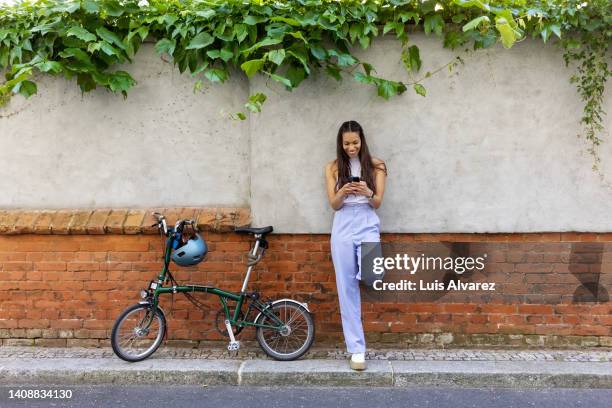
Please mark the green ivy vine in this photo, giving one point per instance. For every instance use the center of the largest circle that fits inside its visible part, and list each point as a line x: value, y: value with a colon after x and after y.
x: 287, y: 40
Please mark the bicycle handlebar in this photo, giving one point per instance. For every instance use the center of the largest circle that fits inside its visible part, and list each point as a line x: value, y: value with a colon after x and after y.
x: 161, y: 222
x: 178, y: 227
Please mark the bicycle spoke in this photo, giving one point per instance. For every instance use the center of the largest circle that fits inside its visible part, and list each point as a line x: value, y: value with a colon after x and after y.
x: 293, y: 317
x: 296, y: 333
x: 139, y: 331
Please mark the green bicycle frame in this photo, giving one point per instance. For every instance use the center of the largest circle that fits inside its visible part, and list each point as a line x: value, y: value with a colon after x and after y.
x: 157, y: 289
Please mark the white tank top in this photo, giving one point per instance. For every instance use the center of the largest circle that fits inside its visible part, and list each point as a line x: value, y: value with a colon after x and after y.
x: 356, y: 171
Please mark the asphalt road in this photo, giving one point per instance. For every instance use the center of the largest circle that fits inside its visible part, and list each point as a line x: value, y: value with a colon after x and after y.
x: 297, y: 397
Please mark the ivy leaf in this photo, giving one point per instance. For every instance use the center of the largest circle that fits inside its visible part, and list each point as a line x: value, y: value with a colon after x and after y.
x: 165, y: 46
x: 223, y: 53
x: 120, y: 81
x: 367, y: 68
x: 296, y: 75
x: 302, y: 58
x: 4, y: 57
x: 208, y: 13
x: 25, y: 88
x: 386, y: 89
x: 238, y: 115
x: 15, y: 55
x: 77, y: 53
x: 412, y: 58
x: 216, y: 75
x: 344, y: 60
x: 143, y: 32
x: 67, y: 7
x: 355, y: 30
x: 318, y: 52
x: 433, y: 23
x: 420, y: 89
x: 90, y: 6
x: 45, y: 28
x: 473, y: 3
x: 394, y: 25
x: 475, y: 23
x: 114, y: 8
x: 240, y: 31
x: 49, y: 66
x: 555, y: 29
x: 200, y: 41
x: 363, y: 78
x: 201, y: 68
x: 276, y: 56
x: 252, y: 66
x: 266, y: 41
x: 572, y: 44
x: 252, y: 20
x: 364, y: 41
x: 405, y: 16
x: 428, y: 6
x: 110, y: 37
x: 457, y: 18
x: 289, y: 21
x: 298, y: 35
x: 81, y: 34
x: 108, y: 49
x: 87, y: 82
x: 280, y: 79
x: 333, y: 71
x: 255, y: 102
x: 506, y: 32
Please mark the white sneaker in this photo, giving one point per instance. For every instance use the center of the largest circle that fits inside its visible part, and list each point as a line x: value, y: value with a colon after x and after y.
x: 358, y: 361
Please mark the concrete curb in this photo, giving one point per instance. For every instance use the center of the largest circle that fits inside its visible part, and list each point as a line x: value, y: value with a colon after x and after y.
x: 506, y: 374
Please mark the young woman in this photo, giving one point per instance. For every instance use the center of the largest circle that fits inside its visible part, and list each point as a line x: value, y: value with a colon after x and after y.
x: 354, y: 221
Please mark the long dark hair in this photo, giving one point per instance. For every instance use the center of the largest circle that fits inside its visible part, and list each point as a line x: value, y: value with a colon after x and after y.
x: 343, y: 161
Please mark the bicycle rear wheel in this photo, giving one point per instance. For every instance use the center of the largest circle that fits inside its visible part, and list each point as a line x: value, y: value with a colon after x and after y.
x: 295, y: 337
x: 138, y: 332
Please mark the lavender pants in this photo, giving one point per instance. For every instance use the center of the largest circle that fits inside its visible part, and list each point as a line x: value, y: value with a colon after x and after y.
x: 353, y: 223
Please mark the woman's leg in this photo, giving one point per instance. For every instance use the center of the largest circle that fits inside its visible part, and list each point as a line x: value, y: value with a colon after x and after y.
x: 345, y: 265
x: 369, y: 232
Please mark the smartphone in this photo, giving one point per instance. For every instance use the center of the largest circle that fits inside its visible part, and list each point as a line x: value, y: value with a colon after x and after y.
x: 354, y: 179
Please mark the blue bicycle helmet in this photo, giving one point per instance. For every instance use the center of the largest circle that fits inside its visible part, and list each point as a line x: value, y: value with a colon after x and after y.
x: 191, y: 252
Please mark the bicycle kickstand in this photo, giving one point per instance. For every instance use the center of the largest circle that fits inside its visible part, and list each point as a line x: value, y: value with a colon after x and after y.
x: 234, y: 344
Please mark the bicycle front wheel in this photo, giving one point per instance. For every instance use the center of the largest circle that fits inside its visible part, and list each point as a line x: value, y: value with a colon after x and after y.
x: 294, y: 338
x: 138, y: 332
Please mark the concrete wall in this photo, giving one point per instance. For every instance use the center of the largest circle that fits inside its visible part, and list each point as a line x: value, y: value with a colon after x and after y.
x: 161, y: 146
x: 492, y: 149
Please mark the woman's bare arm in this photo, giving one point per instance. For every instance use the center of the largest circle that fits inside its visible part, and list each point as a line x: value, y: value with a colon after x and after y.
x: 336, y: 198
x: 379, y: 178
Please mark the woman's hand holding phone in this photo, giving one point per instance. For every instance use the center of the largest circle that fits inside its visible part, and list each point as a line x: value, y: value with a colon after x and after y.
x: 347, y: 189
x: 359, y: 188
x: 356, y: 187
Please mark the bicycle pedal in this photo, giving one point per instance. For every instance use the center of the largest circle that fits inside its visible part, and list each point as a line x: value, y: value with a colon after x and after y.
x: 233, y: 346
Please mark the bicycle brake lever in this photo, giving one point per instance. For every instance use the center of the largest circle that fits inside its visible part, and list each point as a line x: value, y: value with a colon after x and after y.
x: 194, y: 225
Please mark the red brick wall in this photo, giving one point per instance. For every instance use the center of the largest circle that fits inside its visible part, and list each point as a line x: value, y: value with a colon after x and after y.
x: 67, y: 289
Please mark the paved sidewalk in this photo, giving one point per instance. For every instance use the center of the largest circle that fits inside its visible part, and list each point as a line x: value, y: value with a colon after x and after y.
x: 321, y: 367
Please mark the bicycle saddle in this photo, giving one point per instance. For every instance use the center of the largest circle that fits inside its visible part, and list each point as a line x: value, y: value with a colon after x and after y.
x: 248, y: 230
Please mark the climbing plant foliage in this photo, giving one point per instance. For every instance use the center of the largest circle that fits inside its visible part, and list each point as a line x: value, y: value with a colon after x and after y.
x: 287, y: 40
